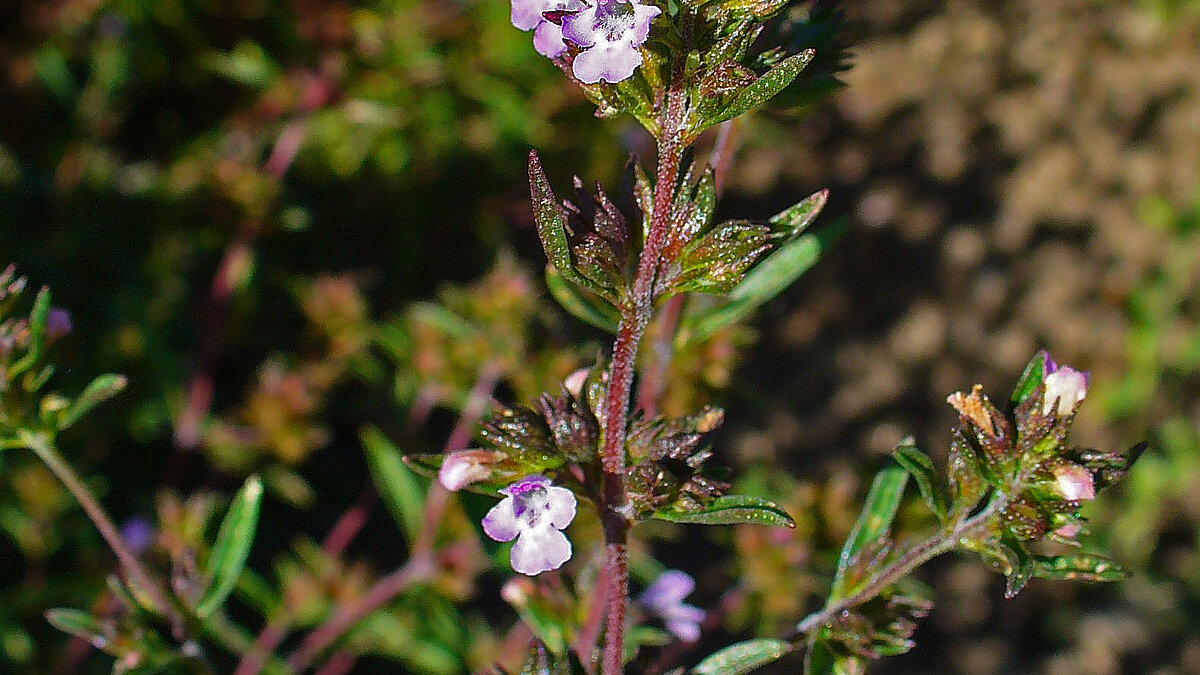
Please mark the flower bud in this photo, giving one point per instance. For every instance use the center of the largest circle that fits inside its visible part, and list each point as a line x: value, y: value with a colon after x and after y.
x: 460, y: 469
x: 1065, y: 387
x: 1074, y: 482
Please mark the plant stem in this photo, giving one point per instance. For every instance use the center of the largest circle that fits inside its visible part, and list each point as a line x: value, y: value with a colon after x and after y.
x: 904, y: 565
x: 142, y: 581
x: 635, y: 316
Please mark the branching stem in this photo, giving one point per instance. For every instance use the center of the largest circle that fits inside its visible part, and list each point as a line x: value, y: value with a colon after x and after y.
x: 913, y: 558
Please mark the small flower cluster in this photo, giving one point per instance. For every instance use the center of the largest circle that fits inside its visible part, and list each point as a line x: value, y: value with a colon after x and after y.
x: 607, y: 33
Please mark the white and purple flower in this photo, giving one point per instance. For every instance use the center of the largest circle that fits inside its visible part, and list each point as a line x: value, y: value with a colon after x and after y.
x: 533, y: 512
x: 1065, y: 387
x: 609, y: 32
x: 547, y: 35
x: 664, y: 599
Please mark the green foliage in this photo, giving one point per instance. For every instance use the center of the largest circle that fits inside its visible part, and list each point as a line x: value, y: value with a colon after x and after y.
x: 232, y: 546
x: 743, y: 657
x: 731, y: 510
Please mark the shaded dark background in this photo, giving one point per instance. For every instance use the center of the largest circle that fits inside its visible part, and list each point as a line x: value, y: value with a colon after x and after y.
x: 1016, y: 175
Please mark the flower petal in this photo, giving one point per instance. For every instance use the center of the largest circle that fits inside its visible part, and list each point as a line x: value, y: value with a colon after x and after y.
x: 540, y: 550
x: 642, y: 16
x: 548, y: 40
x: 501, y: 522
x: 561, y: 506
x: 527, y: 14
x: 670, y: 588
x: 580, y: 27
x: 611, y: 62
x: 1065, y: 385
x: 687, y: 631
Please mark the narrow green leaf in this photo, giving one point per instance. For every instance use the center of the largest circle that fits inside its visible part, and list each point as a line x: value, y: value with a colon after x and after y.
x: 873, y: 523
x: 81, y: 625
x: 232, y: 546
x: 743, y: 657
x: 732, y: 510
x: 98, y: 391
x: 764, y: 88
x: 551, y: 221
x: 1080, y: 566
x: 921, y: 468
x: 584, y: 305
x: 1032, y: 376
x: 396, y: 482
x: 778, y: 270
x: 793, y: 220
x: 718, y: 261
x: 37, y: 334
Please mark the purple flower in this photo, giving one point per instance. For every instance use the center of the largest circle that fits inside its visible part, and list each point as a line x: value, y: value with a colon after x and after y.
x: 533, y: 512
x: 664, y: 598
x: 58, y: 323
x: 1065, y: 387
x: 610, y: 32
x: 547, y: 35
x: 138, y: 534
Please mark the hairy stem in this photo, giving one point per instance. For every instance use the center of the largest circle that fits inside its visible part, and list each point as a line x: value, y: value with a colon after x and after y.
x: 635, y: 316
x: 904, y: 565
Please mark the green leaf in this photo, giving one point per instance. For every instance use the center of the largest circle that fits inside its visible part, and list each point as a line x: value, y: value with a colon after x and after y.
x: 718, y: 261
x: 1021, y: 567
x: 81, y: 625
x: 396, y: 482
x: 1079, y: 566
x: 743, y: 657
x: 232, y: 547
x: 732, y: 510
x: 921, y: 468
x: 551, y: 221
x: 873, y: 523
x: 595, y: 260
x: 37, y: 334
x: 793, y: 220
x: 965, y: 476
x: 584, y: 305
x: 98, y: 391
x: 778, y: 270
x: 764, y: 88
x: 1031, y: 378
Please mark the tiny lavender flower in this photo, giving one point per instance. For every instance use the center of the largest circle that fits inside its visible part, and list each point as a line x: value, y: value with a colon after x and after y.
x: 1065, y: 385
x: 532, y: 512
x: 664, y: 598
x: 610, y: 32
x: 547, y: 35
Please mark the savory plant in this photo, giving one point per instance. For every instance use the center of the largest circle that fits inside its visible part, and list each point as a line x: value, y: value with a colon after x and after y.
x: 648, y: 259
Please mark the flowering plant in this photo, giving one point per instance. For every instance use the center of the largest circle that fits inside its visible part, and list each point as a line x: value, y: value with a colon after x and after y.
x: 569, y: 477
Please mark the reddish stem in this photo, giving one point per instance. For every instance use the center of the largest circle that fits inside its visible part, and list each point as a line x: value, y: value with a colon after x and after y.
x: 635, y: 316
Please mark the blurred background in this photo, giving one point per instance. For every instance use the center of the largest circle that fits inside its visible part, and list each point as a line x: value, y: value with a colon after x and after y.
x: 243, y: 205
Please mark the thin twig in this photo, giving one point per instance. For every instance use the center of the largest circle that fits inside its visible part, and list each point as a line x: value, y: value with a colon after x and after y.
x: 913, y: 558
x: 134, y: 571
